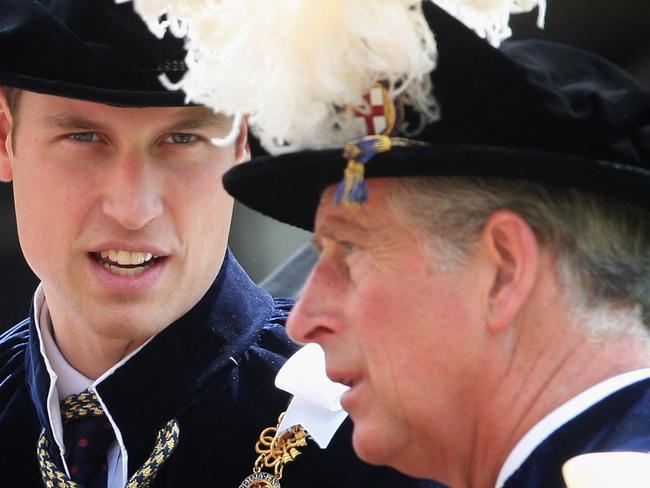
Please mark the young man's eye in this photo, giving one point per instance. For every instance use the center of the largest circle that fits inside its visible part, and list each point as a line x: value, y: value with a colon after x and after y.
x: 181, y: 138
x: 84, y: 136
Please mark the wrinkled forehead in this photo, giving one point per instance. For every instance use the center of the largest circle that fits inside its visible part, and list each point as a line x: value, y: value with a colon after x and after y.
x: 373, y: 216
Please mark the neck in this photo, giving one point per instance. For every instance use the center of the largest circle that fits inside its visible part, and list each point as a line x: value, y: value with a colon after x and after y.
x: 93, y: 356
x: 557, y: 368
x: 85, y: 350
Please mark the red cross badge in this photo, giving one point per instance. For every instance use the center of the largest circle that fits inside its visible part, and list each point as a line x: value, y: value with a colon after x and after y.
x: 379, y: 111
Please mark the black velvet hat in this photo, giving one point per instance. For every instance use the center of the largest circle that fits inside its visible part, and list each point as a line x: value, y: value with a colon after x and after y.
x: 92, y: 50
x: 528, y: 110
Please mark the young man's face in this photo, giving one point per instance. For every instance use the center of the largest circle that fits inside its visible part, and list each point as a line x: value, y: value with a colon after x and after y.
x: 121, y: 212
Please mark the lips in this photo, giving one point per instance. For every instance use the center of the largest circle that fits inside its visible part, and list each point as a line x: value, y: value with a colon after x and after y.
x: 346, y: 380
x: 125, y: 263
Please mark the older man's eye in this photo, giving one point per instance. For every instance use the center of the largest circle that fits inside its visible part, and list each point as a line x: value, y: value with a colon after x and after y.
x: 348, y: 247
x: 84, y: 136
x: 181, y: 138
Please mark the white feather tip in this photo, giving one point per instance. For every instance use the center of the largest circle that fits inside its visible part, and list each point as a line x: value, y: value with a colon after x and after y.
x: 295, y: 67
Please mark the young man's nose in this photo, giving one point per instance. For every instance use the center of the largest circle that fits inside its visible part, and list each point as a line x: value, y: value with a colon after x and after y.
x: 132, y: 194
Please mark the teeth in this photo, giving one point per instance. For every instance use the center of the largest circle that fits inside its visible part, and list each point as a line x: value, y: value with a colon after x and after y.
x: 124, y: 271
x: 126, y: 258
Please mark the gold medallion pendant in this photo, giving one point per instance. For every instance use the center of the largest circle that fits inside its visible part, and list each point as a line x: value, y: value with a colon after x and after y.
x: 274, y: 452
x: 260, y: 480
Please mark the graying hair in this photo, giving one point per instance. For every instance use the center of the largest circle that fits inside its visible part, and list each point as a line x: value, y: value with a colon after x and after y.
x: 602, y: 246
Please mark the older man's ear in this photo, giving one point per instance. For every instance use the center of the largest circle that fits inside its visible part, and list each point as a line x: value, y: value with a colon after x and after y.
x: 513, y: 251
x: 6, y: 149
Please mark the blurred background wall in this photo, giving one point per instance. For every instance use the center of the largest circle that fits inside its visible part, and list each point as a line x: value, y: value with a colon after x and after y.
x: 617, y: 29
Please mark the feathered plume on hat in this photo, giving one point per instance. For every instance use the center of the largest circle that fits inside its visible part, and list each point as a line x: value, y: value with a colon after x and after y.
x: 300, y: 68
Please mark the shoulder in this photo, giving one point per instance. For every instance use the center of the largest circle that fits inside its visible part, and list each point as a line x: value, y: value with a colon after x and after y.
x: 619, y: 422
x: 625, y: 419
x: 272, y: 344
x: 19, y: 426
x: 13, y: 344
x: 280, y: 311
x: 274, y: 327
x: 20, y: 330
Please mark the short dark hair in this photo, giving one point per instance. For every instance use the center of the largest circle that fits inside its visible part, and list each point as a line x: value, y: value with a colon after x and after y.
x: 13, y: 98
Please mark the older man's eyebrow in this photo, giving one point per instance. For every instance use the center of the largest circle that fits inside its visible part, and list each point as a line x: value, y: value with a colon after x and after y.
x: 340, y: 228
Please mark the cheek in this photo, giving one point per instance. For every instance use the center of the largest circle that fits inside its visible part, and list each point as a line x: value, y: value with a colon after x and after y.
x: 411, y: 325
x: 45, y: 173
x: 202, y: 210
x: 203, y: 197
x: 378, y: 317
x: 50, y: 205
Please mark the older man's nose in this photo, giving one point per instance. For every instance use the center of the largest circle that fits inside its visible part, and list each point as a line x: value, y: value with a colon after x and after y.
x: 132, y: 193
x: 317, y: 314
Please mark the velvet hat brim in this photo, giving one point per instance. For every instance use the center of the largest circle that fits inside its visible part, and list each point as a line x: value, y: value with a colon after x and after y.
x: 530, y: 110
x: 288, y: 188
x: 96, y: 50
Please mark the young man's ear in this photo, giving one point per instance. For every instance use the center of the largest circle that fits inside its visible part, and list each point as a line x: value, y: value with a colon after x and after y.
x: 513, y: 249
x: 6, y: 147
x: 242, y: 148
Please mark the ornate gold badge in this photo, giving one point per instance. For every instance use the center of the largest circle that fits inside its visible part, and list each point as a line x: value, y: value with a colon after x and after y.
x: 260, y: 480
x: 274, y: 452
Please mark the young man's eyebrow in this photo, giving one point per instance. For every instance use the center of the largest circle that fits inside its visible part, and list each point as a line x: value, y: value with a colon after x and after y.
x: 72, y: 121
x: 203, y: 120
x: 207, y: 119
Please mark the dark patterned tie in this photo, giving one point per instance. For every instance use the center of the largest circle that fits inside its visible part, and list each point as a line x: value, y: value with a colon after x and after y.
x: 88, y: 442
x: 87, y: 436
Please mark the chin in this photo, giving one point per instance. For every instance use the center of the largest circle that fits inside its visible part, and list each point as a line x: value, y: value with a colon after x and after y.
x: 401, y: 459
x: 130, y: 327
x: 381, y: 443
x: 371, y: 443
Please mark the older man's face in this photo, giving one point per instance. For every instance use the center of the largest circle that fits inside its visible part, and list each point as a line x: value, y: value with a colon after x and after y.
x: 396, y: 330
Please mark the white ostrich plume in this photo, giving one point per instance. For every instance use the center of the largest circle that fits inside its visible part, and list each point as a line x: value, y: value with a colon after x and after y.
x: 489, y: 18
x: 294, y: 67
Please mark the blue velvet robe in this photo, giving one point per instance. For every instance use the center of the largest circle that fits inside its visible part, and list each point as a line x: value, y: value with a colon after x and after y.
x: 187, y: 372
x: 620, y: 422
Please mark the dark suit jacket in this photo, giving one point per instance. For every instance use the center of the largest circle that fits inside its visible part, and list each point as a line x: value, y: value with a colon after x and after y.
x: 213, y: 370
x: 620, y: 422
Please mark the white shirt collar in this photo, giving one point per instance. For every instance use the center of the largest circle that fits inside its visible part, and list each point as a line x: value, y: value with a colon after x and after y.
x: 561, y: 415
x: 69, y: 381
x: 65, y: 381
x: 42, y: 323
